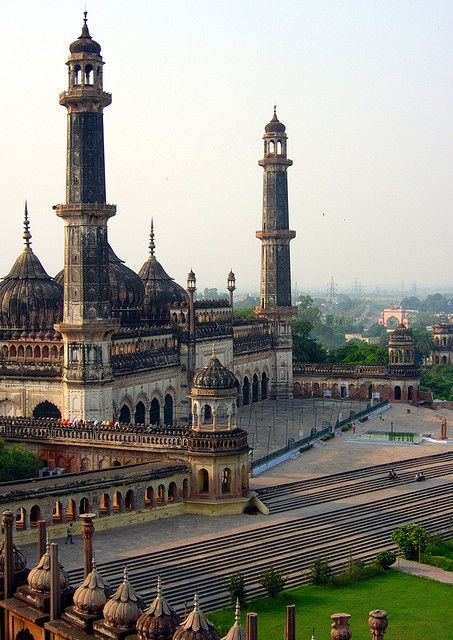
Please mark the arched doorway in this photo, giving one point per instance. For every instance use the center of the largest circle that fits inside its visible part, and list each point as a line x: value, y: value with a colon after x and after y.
x: 410, y: 392
x: 125, y: 414
x: 139, y: 416
x: 264, y: 384
x: 255, y: 388
x: 185, y: 489
x: 117, y: 502
x: 397, y: 393
x: 226, y: 480
x: 160, y: 498
x: 129, y: 500
x: 203, y: 481
x: 172, y: 492
x: 149, y: 497
x: 46, y: 409
x: 84, y: 506
x: 207, y: 414
x: 370, y: 391
x: 168, y: 410
x: 154, y: 414
x: 246, y: 391
x: 35, y: 515
x: 105, y: 504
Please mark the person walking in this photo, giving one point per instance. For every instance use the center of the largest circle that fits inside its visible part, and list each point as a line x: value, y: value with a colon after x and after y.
x: 69, y: 534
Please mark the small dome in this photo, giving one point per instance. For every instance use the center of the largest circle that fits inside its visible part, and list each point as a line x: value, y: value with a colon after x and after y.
x: 214, y: 376
x: 161, y: 291
x: 237, y: 632
x: 275, y: 126
x: 85, y: 43
x: 159, y: 621
x: 29, y: 297
x: 401, y: 334
x: 39, y: 577
x: 124, y: 607
x: 196, y: 626
x: 19, y: 559
x: 92, y: 594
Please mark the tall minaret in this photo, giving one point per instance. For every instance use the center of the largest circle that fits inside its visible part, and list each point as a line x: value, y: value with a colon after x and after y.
x: 275, y: 296
x: 87, y: 324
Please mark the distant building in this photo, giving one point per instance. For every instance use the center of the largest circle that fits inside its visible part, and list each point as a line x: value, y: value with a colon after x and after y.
x: 443, y: 340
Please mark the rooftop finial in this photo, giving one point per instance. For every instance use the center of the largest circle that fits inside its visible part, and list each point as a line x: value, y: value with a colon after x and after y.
x: 152, y: 245
x: 85, y: 13
x: 275, y: 109
x: 237, y: 614
x: 196, y: 606
x: 26, y: 235
x: 159, y: 587
x: 213, y: 350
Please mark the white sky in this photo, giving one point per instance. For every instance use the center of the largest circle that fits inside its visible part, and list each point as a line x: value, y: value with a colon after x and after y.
x: 364, y: 88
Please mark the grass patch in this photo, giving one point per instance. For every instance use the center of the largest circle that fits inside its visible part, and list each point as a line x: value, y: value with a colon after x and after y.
x: 418, y: 608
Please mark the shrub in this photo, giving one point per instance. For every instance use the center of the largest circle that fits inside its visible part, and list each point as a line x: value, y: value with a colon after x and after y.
x: 328, y: 436
x: 385, y: 559
x: 236, y: 588
x: 321, y: 573
x: 273, y: 581
x: 346, y: 427
x: 440, y: 561
x: 411, y: 539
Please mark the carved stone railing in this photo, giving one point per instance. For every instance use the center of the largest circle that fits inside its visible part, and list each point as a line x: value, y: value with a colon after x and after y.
x: 355, y: 370
x: 213, y: 330
x: 233, y: 440
x: 250, y: 344
x: 144, y: 360
x: 27, y: 369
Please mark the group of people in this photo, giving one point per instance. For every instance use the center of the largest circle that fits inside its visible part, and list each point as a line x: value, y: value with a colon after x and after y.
x: 419, y: 477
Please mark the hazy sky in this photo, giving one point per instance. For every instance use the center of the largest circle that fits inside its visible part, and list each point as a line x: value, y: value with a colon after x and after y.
x: 365, y: 90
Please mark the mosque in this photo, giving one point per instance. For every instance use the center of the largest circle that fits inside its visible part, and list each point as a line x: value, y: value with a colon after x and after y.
x: 101, y: 342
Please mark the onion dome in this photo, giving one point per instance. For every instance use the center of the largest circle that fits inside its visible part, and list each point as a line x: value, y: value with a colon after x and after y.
x: 124, y: 607
x: 159, y: 621
x: 91, y: 596
x: 214, y: 376
x: 161, y: 291
x: 196, y: 626
x: 39, y: 577
x: 237, y: 632
x: 275, y: 126
x: 85, y: 43
x: 29, y: 297
x: 19, y: 559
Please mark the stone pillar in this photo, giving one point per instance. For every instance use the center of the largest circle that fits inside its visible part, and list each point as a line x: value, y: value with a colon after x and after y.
x: 41, y: 538
x: 290, y: 627
x: 55, y: 594
x: 251, y: 627
x: 8, y: 554
x: 378, y: 622
x: 87, y: 536
x: 340, y: 626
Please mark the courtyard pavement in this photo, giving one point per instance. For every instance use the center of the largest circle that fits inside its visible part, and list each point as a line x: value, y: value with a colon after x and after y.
x: 341, y: 453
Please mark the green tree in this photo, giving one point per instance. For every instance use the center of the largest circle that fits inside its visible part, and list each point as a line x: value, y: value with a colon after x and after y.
x: 17, y: 462
x: 358, y: 352
x: 244, y: 312
x: 236, y: 588
x: 423, y: 343
x: 320, y: 573
x: 273, y: 581
x: 376, y: 331
x: 438, y: 379
x: 411, y: 539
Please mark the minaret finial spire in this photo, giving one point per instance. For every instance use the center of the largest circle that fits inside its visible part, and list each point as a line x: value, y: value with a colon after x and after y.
x: 85, y: 13
x: 26, y: 235
x: 152, y: 244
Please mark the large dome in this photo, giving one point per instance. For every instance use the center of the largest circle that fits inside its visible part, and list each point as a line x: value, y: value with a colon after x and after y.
x: 126, y: 287
x: 29, y: 297
x: 214, y: 376
x: 85, y: 43
x: 161, y: 291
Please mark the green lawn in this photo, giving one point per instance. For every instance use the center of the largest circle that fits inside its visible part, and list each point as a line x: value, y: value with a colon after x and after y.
x: 418, y: 609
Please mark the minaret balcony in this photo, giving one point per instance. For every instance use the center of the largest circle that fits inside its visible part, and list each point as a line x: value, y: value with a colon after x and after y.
x: 90, y: 210
x: 85, y: 92
x: 282, y: 236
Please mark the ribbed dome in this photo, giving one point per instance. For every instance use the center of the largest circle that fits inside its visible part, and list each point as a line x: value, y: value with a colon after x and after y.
x: 85, y: 43
x: 39, y: 577
x: 124, y: 607
x: 91, y: 596
x: 159, y: 621
x: 29, y: 297
x: 214, y: 376
x: 126, y: 287
x: 161, y: 291
x: 196, y: 626
x: 275, y: 126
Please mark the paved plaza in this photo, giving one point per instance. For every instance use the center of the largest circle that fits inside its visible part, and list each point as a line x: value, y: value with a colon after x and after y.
x: 343, y: 452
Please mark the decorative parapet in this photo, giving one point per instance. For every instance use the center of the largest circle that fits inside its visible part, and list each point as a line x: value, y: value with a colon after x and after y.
x: 144, y: 360
x: 14, y: 369
x: 234, y: 440
x: 253, y: 343
x: 355, y: 370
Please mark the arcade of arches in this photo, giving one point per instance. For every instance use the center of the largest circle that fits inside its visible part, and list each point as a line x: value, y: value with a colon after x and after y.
x: 399, y: 390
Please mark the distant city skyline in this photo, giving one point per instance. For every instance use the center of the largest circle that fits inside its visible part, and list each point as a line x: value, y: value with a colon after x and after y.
x: 363, y: 88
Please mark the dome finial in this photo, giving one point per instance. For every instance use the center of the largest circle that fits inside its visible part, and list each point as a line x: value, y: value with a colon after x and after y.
x: 85, y: 13
x: 159, y: 587
x: 213, y: 350
x: 196, y: 604
x: 152, y: 244
x: 237, y: 614
x: 26, y: 235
